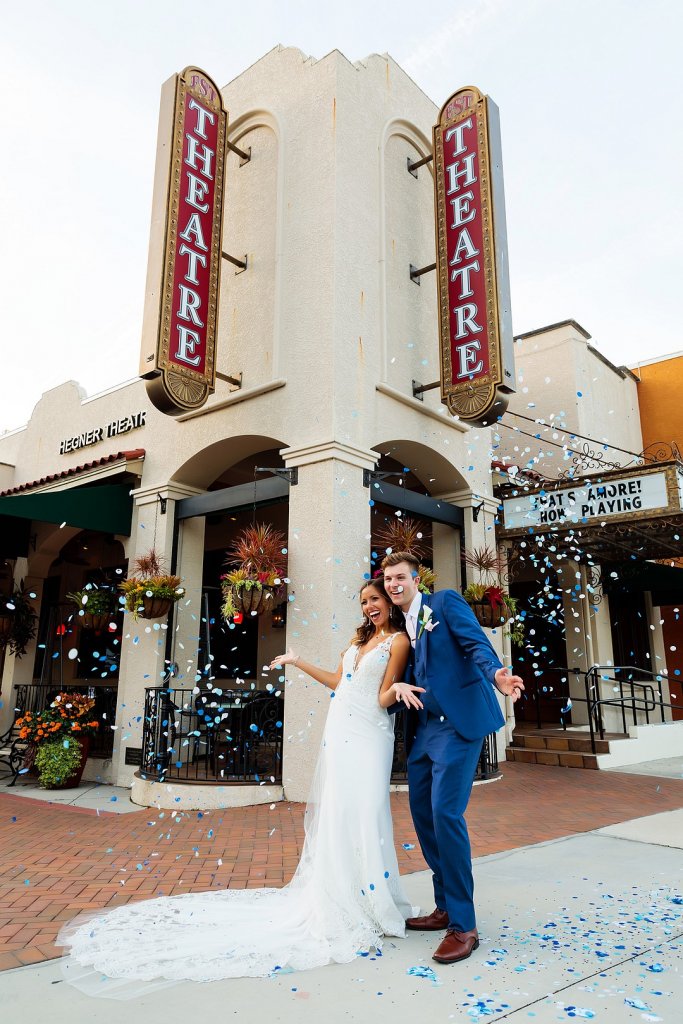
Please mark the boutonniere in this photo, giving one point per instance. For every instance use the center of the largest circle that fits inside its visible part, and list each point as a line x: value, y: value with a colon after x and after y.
x: 426, y: 621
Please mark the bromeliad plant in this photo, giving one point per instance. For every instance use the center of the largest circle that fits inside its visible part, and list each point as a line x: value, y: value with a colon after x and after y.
x: 150, y: 591
x: 259, y: 562
x: 405, y: 534
x: 488, y: 599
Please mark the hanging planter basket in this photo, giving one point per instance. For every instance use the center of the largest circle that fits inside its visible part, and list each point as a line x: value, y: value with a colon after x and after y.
x: 487, y: 615
x: 95, y: 621
x: 256, y: 599
x: 155, y: 607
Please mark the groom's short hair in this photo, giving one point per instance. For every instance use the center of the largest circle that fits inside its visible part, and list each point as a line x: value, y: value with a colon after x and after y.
x: 402, y: 556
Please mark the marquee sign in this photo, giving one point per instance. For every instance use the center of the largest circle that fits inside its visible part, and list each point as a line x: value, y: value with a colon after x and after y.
x: 477, y: 360
x: 179, y: 330
x: 613, y: 498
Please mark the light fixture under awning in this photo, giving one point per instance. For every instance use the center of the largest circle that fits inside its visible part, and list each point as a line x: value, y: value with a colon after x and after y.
x: 104, y: 507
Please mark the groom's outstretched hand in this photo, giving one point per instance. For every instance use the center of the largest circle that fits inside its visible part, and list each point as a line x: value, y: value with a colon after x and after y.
x: 508, y: 684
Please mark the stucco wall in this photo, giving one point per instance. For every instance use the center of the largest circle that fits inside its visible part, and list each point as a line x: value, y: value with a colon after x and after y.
x: 329, y: 332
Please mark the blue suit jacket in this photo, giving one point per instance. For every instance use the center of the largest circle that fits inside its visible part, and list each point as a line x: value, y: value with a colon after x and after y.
x: 457, y: 664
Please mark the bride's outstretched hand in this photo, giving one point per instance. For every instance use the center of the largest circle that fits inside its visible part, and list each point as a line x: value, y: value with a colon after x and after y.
x: 290, y: 658
x: 407, y: 694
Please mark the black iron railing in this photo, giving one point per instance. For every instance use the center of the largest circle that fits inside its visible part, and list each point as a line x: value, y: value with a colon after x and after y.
x: 636, y: 693
x: 212, y: 736
x: 488, y: 759
x: 227, y: 737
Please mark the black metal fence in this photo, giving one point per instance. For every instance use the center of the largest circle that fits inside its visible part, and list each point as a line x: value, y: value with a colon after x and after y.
x: 235, y: 736
x: 212, y: 736
x: 488, y: 759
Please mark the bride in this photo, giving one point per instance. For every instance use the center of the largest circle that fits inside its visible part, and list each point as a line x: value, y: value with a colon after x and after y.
x: 346, y: 893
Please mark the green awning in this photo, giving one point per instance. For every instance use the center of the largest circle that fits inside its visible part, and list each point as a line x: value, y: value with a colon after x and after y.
x: 104, y: 507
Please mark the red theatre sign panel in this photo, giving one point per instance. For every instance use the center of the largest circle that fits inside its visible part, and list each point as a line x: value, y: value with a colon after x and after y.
x: 477, y: 358
x: 179, y: 333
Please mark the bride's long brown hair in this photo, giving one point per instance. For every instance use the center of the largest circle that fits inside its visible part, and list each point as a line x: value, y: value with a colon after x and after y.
x: 366, y: 629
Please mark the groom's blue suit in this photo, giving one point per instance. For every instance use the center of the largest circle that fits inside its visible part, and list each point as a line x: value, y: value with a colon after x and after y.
x: 456, y: 665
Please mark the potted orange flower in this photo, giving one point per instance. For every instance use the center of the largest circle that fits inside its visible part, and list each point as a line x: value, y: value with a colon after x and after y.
x: 58, y: 739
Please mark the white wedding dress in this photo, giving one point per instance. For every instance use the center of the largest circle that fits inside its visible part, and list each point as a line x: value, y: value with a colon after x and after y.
x: 344, y: 897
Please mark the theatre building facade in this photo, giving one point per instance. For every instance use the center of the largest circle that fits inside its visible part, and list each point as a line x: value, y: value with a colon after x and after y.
x: 313, y: 429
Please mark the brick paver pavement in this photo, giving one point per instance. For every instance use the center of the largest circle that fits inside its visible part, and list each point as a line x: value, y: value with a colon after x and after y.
x: 56, y: 861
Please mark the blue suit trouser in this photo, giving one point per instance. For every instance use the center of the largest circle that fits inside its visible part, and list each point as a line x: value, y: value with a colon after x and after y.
x: 441, y: 769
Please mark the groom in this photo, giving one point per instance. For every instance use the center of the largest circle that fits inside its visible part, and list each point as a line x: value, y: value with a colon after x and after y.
x: 457, y: 667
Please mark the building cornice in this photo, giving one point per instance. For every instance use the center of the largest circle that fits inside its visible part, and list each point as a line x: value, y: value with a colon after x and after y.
x: 417, y: 406
x: 234, y: 398
x: 363, y: 458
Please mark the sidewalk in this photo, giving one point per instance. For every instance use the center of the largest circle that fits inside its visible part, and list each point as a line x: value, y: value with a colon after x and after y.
x: 586, y: 927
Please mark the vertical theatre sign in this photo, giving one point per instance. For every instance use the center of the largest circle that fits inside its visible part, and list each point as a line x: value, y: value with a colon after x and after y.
x: 183, y: 275
x: 477, y: 358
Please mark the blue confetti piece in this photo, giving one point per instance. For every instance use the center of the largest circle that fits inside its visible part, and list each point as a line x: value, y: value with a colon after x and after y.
x: 408, y: 846
x: 638, y: 1004
x: 423, y: 972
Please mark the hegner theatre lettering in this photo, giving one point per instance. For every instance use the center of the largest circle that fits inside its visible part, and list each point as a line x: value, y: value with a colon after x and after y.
x: 97, y: 434
x: 590, y: 502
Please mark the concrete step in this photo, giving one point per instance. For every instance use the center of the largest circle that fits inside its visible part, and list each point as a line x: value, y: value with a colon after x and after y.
x: 560, y: 758
x: 559, y: 741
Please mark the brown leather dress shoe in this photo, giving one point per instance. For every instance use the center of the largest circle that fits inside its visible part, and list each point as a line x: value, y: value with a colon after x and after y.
x: 456, y: 946
x: 434, y: 922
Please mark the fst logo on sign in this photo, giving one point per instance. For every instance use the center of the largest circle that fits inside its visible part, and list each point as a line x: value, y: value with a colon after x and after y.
x: 181, y: 369
x: 474, y: 305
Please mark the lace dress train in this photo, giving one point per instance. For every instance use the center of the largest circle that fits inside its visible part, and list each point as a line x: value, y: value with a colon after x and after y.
x: 344, y: 897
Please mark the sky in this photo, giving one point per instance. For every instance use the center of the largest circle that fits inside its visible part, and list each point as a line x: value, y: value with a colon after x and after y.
x: 588, y: 93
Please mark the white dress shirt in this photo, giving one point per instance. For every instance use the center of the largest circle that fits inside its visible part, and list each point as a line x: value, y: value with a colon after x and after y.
x: 411, y: 617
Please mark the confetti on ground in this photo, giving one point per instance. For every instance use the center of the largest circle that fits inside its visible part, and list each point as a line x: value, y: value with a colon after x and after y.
x: 423, y: 972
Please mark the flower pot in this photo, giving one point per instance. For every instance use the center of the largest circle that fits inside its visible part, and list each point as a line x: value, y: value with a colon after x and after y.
x: 256, y: 599
x: 95, y: 621
x: 6, y: 624
x: 74, y: 780
x: 28, y: 764
x: 487, y: 615
x: 155, y: 607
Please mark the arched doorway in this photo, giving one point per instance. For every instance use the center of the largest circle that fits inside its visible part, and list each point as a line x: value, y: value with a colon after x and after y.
x: 225, y: 720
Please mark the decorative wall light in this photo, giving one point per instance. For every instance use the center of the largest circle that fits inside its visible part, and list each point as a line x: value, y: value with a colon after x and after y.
x: 279, y: 617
